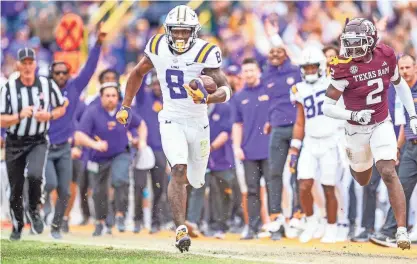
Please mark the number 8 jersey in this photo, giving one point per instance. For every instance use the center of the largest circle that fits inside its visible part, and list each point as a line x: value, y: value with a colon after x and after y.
x: 365, y: 84
x: 311, y: 97
x: 175, y: 70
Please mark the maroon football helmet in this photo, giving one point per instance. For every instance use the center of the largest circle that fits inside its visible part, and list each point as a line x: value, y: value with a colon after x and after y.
x: 359, y: 38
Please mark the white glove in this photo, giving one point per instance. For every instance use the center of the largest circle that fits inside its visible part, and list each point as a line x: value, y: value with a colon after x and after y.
x: 413, y: 124
x: 363, y: 117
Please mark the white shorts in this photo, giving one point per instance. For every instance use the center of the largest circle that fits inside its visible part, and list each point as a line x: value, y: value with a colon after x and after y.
x: 187, y: 141
x: 319, y: 160
x: 366, y: 143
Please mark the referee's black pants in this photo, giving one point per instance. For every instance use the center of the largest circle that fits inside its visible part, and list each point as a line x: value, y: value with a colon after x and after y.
x: 25, y: 157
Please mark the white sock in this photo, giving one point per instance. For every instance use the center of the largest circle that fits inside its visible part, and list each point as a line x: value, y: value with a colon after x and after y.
x: 401, y: 229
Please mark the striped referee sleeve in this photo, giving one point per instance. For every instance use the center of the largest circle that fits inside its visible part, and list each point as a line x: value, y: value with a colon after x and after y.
x: 56, y: 96
x: 5, y: 107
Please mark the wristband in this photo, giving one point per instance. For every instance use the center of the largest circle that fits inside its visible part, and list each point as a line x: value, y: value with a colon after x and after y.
x: 227, y: 91
x: 296, y: 143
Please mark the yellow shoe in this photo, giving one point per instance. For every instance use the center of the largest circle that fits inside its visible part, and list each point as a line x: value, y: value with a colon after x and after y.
x: 183, y: 240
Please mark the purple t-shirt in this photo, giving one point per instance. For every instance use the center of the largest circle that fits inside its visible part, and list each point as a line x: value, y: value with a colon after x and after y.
x: 96, y: 121
x: 407, y: 129
x: 250, y: 107
x: 220, y: 121
x: 278, y: 82
x: 148, y: 106
x: 62, y: 128
x: 81, y: 106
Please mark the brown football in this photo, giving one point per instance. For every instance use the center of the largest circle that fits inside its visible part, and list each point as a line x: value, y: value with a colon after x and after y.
x: 209, y: 84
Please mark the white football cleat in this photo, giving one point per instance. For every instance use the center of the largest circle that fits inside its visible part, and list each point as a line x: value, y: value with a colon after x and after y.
x: 275, y: 225
x: 308, y: 233
x: 330, y: 234
x: 342, y: 233
x: 182, y: 239
x: 292, y: 229
x: 245, y: 231
x: 403, y: 241
x: 320, y: 228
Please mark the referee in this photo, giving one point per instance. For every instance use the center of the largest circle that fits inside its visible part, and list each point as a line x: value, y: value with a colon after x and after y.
x: 26, y: 105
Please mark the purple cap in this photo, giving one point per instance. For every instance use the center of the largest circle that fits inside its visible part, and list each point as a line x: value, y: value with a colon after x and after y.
x: 232, y: 70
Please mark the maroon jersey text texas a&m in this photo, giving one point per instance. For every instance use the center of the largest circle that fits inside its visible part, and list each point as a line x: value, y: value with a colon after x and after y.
x: 365, y: 84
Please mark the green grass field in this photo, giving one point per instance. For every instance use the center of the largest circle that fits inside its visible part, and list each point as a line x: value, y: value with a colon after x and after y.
x: 39, y: 252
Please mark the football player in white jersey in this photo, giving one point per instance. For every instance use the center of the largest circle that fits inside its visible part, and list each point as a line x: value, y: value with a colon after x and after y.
x: 319, y: 157
x: 179, y: 57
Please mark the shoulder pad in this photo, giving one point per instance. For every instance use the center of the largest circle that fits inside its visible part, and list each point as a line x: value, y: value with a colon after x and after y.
x: 154, y: 43
x: 339, y: 68
x: 204, y: 52
x: 385, y: 49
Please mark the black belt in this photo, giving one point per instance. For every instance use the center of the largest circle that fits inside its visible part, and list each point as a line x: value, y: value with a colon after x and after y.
x: 25, y: 139
x: 59, y: 145
x: 413, y: 141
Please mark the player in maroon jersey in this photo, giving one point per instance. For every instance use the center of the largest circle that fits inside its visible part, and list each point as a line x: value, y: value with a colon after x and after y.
x: 362, y: 73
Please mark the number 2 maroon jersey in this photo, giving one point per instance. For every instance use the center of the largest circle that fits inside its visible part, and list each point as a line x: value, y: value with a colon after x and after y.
x: 365, y: 84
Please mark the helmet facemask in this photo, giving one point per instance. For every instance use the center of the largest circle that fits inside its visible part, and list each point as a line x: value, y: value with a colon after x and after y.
x: 355, y: 45
x: 181, y: 45
x: 311, y: 77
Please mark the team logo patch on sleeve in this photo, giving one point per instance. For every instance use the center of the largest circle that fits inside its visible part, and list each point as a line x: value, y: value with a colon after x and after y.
x: 353, y: 69
x: 290, y: 80
x: 216, y: 117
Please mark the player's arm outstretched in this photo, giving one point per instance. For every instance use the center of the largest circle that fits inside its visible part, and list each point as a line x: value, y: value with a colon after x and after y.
x: 133, y: 84
x: 404, y: 93
x: 223, y: 93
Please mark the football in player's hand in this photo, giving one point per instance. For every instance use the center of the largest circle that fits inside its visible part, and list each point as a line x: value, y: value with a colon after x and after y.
x: 208, y: 82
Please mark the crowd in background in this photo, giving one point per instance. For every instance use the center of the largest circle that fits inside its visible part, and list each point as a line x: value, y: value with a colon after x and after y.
x: 240, y: 28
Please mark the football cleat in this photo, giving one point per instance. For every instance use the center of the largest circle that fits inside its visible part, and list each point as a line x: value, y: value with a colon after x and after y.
x: 330, y: 234
x: 403, y: 241
x: 183, y: 240
x: 308, y: 233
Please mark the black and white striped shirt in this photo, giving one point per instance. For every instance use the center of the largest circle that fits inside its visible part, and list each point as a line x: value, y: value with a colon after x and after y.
x: 15, y: 96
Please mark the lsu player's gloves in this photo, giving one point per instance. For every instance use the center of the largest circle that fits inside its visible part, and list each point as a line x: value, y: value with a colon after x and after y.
x: 413, y: 124
x: 200, y: 95
x: 362, y: 117
x: 124, y: 115
x: 293, y: 162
